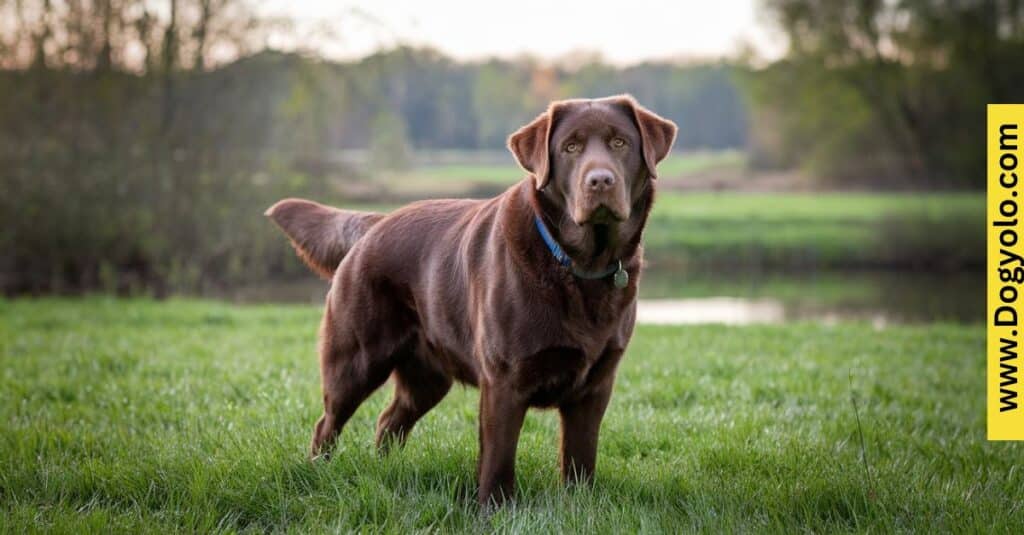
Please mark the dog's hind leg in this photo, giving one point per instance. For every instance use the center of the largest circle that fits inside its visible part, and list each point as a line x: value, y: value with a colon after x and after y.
x: 348, y: 380
x: 350, y: 370
x: 418, y: 388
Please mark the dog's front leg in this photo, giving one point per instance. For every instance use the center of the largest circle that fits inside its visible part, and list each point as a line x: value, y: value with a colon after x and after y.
x: 501, y: 418
x: 581, y: 422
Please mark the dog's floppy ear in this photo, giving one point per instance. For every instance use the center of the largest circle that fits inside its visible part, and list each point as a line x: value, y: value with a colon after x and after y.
x: 529, y: 145
x: 657, y: 134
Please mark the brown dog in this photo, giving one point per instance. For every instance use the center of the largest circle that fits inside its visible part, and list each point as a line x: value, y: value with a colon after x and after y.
x: 530, y: 295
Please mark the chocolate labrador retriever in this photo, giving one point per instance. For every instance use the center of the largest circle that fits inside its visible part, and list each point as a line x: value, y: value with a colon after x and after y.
x: 531, y: 295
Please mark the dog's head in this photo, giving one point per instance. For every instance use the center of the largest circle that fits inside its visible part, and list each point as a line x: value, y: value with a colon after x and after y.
x: 593, y: 157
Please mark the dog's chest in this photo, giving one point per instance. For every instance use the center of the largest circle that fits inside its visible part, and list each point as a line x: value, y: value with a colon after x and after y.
x: 557, y: 374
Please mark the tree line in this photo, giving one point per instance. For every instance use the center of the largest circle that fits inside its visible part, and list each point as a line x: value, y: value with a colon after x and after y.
x: 140, y: 139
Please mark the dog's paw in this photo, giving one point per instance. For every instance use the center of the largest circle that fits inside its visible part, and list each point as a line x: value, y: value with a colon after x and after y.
x: 321, y: 457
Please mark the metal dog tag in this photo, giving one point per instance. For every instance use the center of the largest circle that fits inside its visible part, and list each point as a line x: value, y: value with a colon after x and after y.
x: 621, y: 278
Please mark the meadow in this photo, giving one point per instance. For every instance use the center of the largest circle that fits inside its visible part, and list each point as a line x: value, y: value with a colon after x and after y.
x: 194, y: 416
x: 837, y: 230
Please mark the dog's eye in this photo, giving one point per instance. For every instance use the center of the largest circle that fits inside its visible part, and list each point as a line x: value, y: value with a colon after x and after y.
x: 572, y: 146
x: 618, y: 143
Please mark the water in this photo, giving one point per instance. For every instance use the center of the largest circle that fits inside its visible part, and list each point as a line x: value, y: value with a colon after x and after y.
x: 879, y: 298
x: 724, y: 310
x: 670, y: 297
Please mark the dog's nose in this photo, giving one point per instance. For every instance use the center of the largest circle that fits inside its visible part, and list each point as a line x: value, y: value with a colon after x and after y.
x: 599, y: 179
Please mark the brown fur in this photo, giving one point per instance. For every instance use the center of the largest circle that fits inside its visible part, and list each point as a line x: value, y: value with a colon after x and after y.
x: 464, y: 290
x: 321, y: 235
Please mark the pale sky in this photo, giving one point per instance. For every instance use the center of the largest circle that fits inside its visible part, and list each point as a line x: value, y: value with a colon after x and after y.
x: 622, y: 32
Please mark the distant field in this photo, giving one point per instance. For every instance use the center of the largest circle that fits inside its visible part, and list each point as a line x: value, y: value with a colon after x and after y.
x: 924, y: 231
x: 680, y: 165
x: 458, y: 178
x: 191, y: 416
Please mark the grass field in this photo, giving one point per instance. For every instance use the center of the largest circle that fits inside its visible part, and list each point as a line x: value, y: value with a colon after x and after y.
x: 143, y: 416
x: 820, y: 230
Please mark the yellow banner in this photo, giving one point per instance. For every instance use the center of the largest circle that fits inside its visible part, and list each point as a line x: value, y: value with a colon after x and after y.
x: 1005, y: 271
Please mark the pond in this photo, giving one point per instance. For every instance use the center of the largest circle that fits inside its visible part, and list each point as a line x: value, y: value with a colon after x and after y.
x: 828, y: 297
x: 675, y: 297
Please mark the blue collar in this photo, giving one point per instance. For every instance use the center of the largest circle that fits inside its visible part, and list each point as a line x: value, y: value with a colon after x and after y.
x: 549, y: 240
x: 621, y: 276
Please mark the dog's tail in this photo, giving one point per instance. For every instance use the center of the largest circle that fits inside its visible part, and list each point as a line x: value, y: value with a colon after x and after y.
x: 321, y: 235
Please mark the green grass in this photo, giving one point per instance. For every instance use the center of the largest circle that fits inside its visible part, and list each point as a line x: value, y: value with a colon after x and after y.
x: 143, y: 416
x: 818, y: 230
x: 504, y: 175
x: 681, y: 165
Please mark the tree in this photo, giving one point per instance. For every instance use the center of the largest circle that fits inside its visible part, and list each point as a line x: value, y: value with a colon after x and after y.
x: 873, y: 87
x: 389, y: 143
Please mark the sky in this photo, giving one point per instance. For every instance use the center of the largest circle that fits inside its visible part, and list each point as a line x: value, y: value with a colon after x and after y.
x: 622, y: 32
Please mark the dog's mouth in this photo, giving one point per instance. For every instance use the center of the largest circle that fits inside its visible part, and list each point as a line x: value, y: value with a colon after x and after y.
x: 602, y: 215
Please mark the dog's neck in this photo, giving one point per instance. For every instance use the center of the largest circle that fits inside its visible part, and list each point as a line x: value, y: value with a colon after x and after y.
x: 595, y: 247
